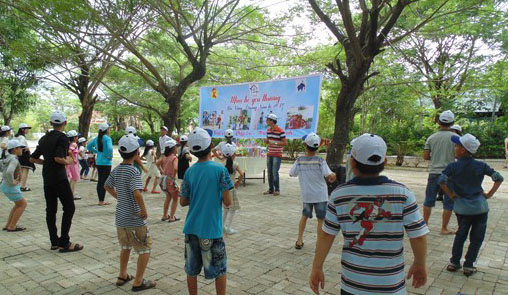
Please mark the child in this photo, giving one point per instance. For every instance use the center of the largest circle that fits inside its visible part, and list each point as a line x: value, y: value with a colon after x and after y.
x: 462, y: 181
x: 24, y: 159
x: 373, y: 212
x: 184, y: 157
x: 83, y: 158
x: 228, y: 152
x: 151, y: 163
x: 311, y: 171
x: 168, y: 166
x: 205, y: 186
x: 73, y: 169
x: 216, y: 151
x: 91, y: 163
x: 138, y: 163
x: 5, y: 132
x: 125, y: 184
x: 11, y: 179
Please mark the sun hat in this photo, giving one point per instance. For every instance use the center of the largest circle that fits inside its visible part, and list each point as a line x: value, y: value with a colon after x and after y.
x: 468, y: 141
x: 312, y: 140
x: 57, y: 117
x: 199, y: 140
x: 368, y: 145
x: 128, y: 144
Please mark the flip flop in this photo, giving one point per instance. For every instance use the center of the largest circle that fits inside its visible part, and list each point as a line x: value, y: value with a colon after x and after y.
x: 452, y: 267
x: 299, y: 246
x: 19, y: 228
x: 174, y: 220
x: 144, y: 286
x: 77, y: 247
x: 104, y: 204
x: 469, y: 271
x: 165, y: 219
x: 124, y: 281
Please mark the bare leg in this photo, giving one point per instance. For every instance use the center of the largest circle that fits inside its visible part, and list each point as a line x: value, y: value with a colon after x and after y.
x: 17, y: 211
x: 301, y: 229
x: 124, y: 261
x: 24, y: 176
x: 426, y: 214
x: 166, y: 206
x: 10, y: 217
x: 192, y: 285
x: 140, y: 271
x: 447, y: 214
x: 174, y: 205
x: 220, y: 285
x: 73, y: 186
x: 147, y: 182
x: 319, y: 227
x: 154, y: 189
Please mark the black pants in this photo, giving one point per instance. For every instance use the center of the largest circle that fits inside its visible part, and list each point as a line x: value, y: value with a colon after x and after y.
x: 54, y: 192
x: 103, y: 172
x: 84, y: 167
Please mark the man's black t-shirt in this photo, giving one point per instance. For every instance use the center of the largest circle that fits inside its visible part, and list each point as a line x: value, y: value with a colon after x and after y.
x: 54, y: 144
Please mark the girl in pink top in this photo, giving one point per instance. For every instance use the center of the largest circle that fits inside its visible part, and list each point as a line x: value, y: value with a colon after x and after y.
x: 73, y: 169
x: 168, y: 166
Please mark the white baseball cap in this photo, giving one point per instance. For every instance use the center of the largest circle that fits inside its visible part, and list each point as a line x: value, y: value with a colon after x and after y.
x: 228, y: 149
x: 57, y: 117
x: 456, y: 127
x: 150, y: 142
x: 468, y: 141
x: 130, y: 130
x: 14, y: 143
x: 128, y: 143
x: 103, y: 126
x: 24, y: 126
x: 229, y: 133
x: 72, y: 133
x: 312, y: 140
x: 6, y: 128
x: 170, y: 143
x: 272, y: 116
x: 81, y: 139
x: 366, y: 146
x: 184, y: 138
x: 447, y: 117
x: 164, y: 127
x: 199, y: 139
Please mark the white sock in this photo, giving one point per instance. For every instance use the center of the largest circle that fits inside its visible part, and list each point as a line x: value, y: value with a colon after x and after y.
x: 230, y: 219
x: 224, y: 216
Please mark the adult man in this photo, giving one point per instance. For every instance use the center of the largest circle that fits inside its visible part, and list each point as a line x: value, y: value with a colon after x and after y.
x: 162, y: 139
x: 276, y: 140
x: 439, y: 149
x: 373, y: 212
x: 54, y: 147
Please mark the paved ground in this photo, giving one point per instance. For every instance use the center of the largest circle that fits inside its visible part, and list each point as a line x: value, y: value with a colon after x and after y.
x: 261, y: 258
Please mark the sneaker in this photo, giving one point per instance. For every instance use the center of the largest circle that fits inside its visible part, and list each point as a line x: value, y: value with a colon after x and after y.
x: 231, y: 231
x: 276, y: 193
x: 268, y: 193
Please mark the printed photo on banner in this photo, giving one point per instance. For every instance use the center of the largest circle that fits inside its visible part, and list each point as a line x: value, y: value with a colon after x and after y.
x: 239, y: 119
x: 299, y: 117
x: 212, y: 120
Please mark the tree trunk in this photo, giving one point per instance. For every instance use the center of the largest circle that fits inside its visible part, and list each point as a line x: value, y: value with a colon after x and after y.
x: 85, y: 118
x: 170, y: 118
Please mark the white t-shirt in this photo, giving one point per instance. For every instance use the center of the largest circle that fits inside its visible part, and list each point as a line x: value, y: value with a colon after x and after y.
x: 21, y: 139
x: 162, y: 140
x: 311, y: 172
x: 82, y: 149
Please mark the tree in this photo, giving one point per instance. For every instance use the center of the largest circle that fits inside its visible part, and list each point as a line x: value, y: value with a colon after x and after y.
x: 362, y: 37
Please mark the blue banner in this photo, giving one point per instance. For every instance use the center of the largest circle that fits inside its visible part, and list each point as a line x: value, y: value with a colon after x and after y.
x: 244, y: 107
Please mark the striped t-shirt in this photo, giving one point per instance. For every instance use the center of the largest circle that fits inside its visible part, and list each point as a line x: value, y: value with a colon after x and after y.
x: 275, y: 136
x: 126, y: 179
x: 373, y: 214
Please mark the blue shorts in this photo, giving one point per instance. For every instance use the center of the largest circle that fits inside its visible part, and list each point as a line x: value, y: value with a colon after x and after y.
x: 319, y: 208
x: 431, y: 193
x: 209, y: 254
x: 12, y: 192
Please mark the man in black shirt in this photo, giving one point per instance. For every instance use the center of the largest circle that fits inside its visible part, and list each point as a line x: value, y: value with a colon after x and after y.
x: 54, y: 148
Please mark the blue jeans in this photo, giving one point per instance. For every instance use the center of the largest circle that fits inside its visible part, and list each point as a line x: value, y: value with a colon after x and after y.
x: 209, y: 254
x: 273, y: 165
x: 320, y: 209
x: 478, y: 226
x: 431, y: 194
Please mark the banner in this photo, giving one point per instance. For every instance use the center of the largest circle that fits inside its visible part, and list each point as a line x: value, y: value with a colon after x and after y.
x: 244, y: 107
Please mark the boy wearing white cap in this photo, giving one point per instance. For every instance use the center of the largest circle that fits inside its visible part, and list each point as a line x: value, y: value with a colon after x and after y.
x: 311, y: 171
x: 125, y: 184
x: 217, y: 151
x: 11, y: 179
x: 54, y: 147
x: 373, y: 212
x: 162, y: 139
x: 440, y: 151
x: 462, y: 181
x: 205, y: 188
x: 276, y: 141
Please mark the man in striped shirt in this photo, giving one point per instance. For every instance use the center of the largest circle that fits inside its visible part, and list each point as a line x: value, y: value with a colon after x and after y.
x: 276, y: 141
x: 373, y: 212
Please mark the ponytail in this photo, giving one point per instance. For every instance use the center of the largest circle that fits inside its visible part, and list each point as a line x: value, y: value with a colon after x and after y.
x: 147, y: 149
x: 229, y: 165
x: 99, y: 140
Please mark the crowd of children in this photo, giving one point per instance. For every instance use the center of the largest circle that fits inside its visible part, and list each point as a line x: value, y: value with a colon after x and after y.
x: 372, y: 211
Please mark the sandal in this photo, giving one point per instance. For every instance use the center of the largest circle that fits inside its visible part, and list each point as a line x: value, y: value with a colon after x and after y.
x: 144, y: 286
x: 104, y: 204
x: 452, y: 267
x: 18, y: 228
x: 174, y: 220
x: 124, y: 281
x: 26, y: 189
x: 298, y: 246
x: 164, y: 219
x: 469, y: 271
x: 77, y: 247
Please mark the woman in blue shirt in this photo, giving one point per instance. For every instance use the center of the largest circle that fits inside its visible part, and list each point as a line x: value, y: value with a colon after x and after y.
x: 102, y: 145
